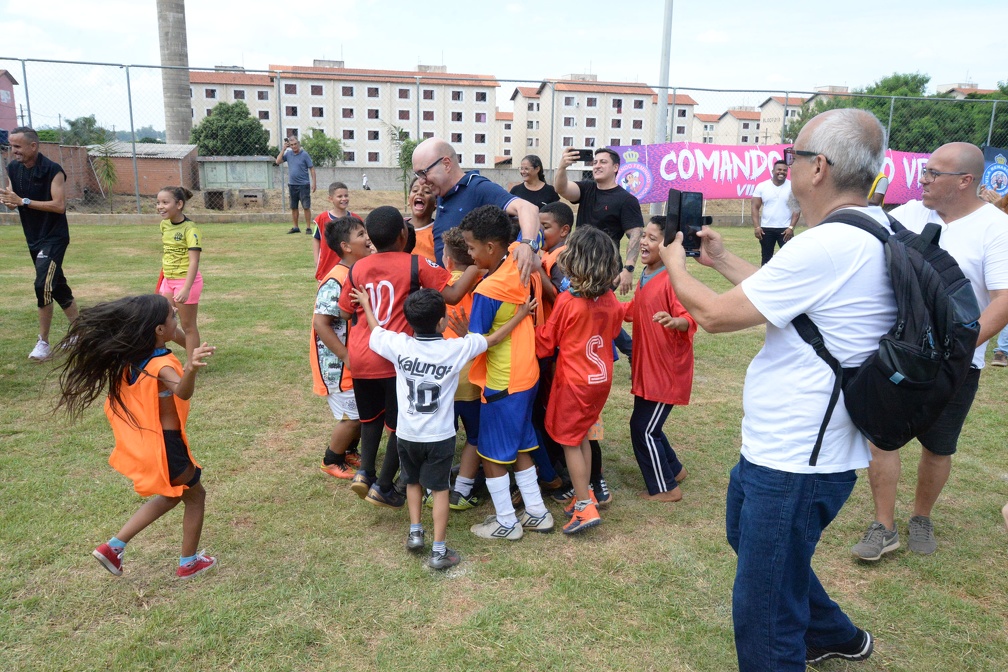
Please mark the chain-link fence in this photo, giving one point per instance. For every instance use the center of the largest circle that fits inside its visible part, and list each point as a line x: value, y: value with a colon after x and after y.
x: 230, y: 122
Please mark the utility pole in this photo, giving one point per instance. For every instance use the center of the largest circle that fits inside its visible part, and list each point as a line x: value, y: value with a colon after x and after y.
x: 661, y: 127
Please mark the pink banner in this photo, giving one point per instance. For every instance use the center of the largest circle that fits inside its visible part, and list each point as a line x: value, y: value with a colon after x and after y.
x: 733, y: 171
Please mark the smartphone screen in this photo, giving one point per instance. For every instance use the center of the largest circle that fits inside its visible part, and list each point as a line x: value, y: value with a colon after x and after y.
x: 690, y: 221
x: 586, y: 155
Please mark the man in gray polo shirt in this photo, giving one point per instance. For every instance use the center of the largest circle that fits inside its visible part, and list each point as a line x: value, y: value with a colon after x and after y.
x: 300, y: 179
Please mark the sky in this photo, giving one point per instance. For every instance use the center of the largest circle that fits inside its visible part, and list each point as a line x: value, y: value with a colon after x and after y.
x: 790, y: 45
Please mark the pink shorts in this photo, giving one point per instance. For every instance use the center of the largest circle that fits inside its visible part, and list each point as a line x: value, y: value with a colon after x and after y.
x: 169, y: 287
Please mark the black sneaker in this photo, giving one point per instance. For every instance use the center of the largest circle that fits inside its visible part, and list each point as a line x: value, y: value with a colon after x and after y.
x: 444, y: 560
x: 457, y: 502
x: 361, y: 483
x: 415, y: 541
x: 857, y: 648
x: 390, y: 500
x: 602, y: 493
x: 294, y: 229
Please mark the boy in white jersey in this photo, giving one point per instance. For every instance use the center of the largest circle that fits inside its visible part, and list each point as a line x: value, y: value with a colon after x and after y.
x: 427, y: 371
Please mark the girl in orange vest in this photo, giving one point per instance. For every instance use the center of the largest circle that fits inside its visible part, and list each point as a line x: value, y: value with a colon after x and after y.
x: 122, y: 343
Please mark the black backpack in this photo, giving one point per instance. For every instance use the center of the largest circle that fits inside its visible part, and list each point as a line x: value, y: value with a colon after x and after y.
x: 900, y: 390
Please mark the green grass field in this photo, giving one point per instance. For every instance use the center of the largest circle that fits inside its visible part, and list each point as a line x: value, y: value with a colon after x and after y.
x: 312, y: 578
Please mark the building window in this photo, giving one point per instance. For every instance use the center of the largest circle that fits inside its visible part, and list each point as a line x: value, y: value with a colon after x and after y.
x: 428, y: 94
x: 531, y: 107
x: 681, y: 113
x: 745, y: 138
x: 290, y: 89
x: 590, y: 122
x: 348, y: 157
x: 568, y: 101
x: 348, y: 134
x: 208, y: 111
x: 592, y: 102
x: 638, y: 104
x: 456, y: 116
x: 348, y: 113
x: 210, y: 93
x: 262, y: 95
x: 456, y: 137
x: 428, y: 134
x: 428, y: 115
x: 481, y: 97
x: 530, y: 125
x: 757, y: 125
x: 347, y: 91
x: 239, y: 94
x: 589, y: 142
x: 568, y: 141
x: 680, y: 130
x: 290, y: 111
x: 480, y: 159
x: 403, y: 94
x: 292, y: 132
x: 617, y: 123
x: 372, y: 92
x: 456, y: 96
x: 507, y: 125
x: 614, y: 142
x: 373, y: 135
x: 745, y: 125
x: 568, y: 122
x: 404, y: 115
x: 317, y: 112
x: 481, y: 117
x: 264, y: 115
x: 372, y: 113
x: 507, y: 139
x: 460, y: 158
x: 638, y: 124
x: 316, y: 89
x: 635, y: 141
x: 617, y: 104
x: 507, y: 152
x: 480, y: 139
x: 372, y: 157
x: 529, y: 142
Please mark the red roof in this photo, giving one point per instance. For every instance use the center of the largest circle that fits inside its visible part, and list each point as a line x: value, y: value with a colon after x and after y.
x: 707, y: 117
x: 967, y: 92
x: 790, y: 101
x: 504, y: 116
x: 526, y: 92
x: 394, y: 76
x: 680, y: 99
x: 745, y: 115
x: 4, y: 73
x: 621, y: 88
x: 225, y: 77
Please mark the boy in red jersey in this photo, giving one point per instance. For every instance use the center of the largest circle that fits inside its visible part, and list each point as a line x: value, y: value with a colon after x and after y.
x: 388, y: 276
x: 325, y: 255
x: 662, y: 368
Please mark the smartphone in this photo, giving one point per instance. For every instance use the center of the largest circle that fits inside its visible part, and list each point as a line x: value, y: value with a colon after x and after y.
x: 684, y: 212
x: 586, y: 155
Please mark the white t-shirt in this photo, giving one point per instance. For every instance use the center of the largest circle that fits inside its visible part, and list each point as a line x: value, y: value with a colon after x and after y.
x: 427, y: 374
x: 837, y: 275
x: 979, y: 244
x: 775, y: 213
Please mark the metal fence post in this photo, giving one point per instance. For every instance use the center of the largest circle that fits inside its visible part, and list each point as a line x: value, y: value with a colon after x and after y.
x: 280, y: 139
x: 552, y: 117
x: 418, y: 108
x: 27, y: 100
x: 990, y: 129
x: 888, y: 130
x: 783, y: 123
x: 136, y: 173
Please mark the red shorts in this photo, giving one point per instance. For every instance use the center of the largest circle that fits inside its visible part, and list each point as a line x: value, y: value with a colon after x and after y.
x: 573, y: 410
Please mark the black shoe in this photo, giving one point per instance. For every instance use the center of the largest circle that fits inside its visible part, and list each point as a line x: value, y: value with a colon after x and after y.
x: 390, y: 499
x: 294, y: 229
x: 857, y: 648
x: 308, y: 230
x: 415, y: 541
x: 444, y: 560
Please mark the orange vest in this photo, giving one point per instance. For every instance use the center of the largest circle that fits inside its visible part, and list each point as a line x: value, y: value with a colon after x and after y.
x: 549, y: 260
x: 338, y: 273
x: 425, y: 242
x: 139, y: 452
x: 504, y: 284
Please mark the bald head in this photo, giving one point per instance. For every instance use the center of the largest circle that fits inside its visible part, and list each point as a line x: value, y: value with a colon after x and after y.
x: 436, y: 162
x: 963, y: 157
x: 430, y: 149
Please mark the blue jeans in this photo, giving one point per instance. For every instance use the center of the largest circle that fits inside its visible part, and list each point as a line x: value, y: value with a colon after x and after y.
x: 774, y: 520
x: 1002, y: 342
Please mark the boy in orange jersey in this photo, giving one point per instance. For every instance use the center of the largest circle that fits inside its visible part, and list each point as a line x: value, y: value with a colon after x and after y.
x: 328, y: 353
x: 326, y: 256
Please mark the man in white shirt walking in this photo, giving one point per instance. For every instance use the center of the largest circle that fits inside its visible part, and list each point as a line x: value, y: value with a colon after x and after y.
x: 772, y: 216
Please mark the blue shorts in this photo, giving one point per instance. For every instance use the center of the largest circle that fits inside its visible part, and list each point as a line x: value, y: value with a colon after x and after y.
x: 469, y: 413
x: 302, y: 193
x: 506, y: 426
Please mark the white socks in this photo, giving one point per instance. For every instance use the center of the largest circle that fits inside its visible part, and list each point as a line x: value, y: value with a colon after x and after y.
x: 531, y: 494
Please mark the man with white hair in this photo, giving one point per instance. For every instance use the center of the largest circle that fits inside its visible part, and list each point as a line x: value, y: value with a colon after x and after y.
x: 779, y: 499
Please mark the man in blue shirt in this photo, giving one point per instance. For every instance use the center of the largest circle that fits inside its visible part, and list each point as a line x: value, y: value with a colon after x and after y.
x: 299, y: 169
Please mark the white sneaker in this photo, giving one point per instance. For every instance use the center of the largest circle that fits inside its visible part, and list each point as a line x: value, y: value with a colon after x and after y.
x: 41, y: 351
x: 490, y: 528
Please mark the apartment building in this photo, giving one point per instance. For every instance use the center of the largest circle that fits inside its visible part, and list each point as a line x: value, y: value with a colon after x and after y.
x: 681, y: 115
x: 505, y: 148
x: 363, y: 107
x: 775, y: 113
x: 705, y: 127
x: 738, y: 126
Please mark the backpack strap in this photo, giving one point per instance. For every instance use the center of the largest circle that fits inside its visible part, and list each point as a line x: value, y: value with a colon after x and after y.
x: 414, y: 283
x: 810, y: 334
x: 859, y: 220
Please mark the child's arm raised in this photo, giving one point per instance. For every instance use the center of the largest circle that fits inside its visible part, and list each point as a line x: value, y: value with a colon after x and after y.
x: 669, y: 322
x: 454, y: 292
x: 183, y: 387
x: 521, y: 312
x: 362, y: 298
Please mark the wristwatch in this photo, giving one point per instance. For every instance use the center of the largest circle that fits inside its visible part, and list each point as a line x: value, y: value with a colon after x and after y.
x: 629, y: 267
x: 26, y: 202
x: 531, y: 242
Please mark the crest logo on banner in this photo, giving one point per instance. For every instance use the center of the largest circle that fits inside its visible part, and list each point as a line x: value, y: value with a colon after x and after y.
x: 995, y: 177
x: 633, y: 175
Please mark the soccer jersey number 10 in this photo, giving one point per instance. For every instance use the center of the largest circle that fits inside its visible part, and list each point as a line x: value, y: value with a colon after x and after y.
x: 382, y: 298
x: 424, y: 396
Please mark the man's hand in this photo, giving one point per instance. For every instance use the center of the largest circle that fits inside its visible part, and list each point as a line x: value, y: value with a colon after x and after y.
x: 788, y: 234
x: 527, y: 261
x: 625, y: 279
x: 673, y: 255
x: 758, y: 230
x: 9, y: 198
x: 568, y: 158
x: 711, y: 246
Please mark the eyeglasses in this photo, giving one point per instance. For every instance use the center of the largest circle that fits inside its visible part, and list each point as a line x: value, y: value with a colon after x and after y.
x: 790, y: 153
x: 422, y: 174
x: 929, y: 175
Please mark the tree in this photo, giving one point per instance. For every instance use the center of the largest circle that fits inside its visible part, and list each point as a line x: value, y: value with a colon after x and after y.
x: 48, y: 135
x: 404, y: 146
x: 230, y: 130
x: 103, y: 166
x: 325, y: 152
x: 85, y: 131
